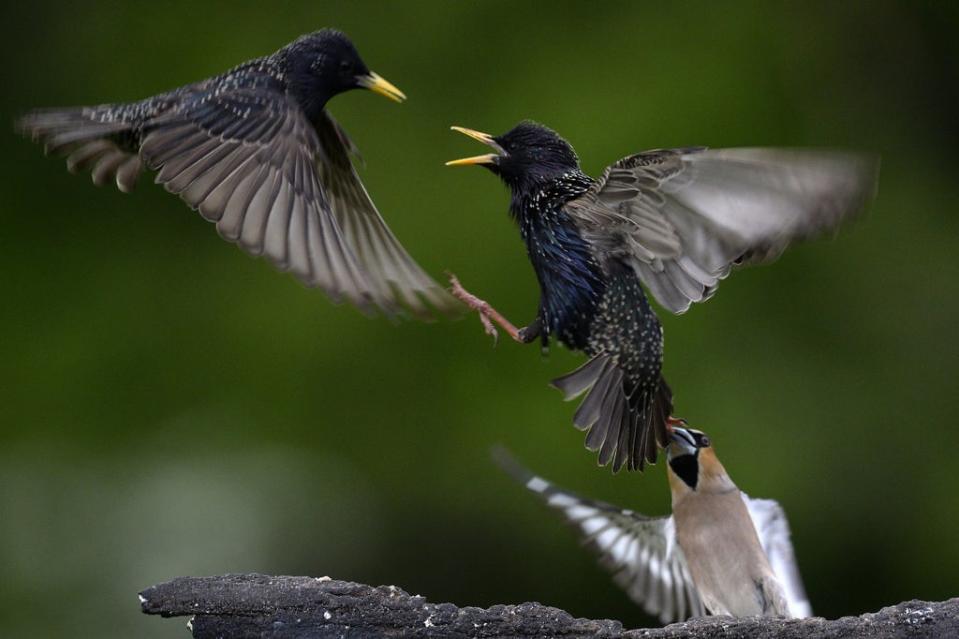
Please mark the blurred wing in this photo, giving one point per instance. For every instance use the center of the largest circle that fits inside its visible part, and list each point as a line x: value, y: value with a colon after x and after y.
x: 683, y: 217
x: 773, y: 529
x: 245, y: 158
x: 641, y: 552
x: 90, y: 138
x: 390, y: 267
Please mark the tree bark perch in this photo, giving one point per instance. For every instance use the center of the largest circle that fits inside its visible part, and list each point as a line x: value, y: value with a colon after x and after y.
x: 261, y: 606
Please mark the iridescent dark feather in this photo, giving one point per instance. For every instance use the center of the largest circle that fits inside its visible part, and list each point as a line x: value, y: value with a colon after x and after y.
x: 675, y: 221
x: 254, y: 151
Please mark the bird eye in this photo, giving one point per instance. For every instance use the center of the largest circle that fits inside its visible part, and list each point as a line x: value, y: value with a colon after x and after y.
x: 704, y: 442
x: 345, y: 65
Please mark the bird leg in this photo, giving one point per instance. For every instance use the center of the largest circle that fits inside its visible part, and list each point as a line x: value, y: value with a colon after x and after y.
x: 488, y: 315
x: 531, y: 331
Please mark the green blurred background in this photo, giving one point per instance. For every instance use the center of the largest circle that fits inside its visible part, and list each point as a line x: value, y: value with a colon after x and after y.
x: 169, y: 406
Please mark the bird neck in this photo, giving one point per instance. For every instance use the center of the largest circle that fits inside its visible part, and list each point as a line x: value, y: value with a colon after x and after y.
x: 570, y: 278
x: 309, y: 93
x: 531, y: 191
x: 712, y: 479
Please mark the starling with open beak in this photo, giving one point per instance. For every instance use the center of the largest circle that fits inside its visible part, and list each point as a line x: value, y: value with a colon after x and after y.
x: 721, y: 552
x: 675, y: 221
x: 255, y: 151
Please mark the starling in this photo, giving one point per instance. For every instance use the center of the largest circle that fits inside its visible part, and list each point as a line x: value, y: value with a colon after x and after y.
x: 675, y: 221
x: 255, y: 151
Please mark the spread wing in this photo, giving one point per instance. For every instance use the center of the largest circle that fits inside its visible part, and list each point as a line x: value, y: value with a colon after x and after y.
x: 641, y: 552
x: 245, y: 156
x: 683, y: 217
x: 773, y: 529
x: 383, y: 258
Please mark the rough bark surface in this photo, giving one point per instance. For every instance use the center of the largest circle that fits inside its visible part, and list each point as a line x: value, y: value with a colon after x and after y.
x: 261, y: 607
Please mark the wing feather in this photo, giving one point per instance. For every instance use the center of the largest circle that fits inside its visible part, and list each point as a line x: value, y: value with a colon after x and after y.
x: 243, y: 156
x: 395, y: 274
x: 771, y: 524
x: 640, y: 552
x: 684, y: 217
x: 243, y: 153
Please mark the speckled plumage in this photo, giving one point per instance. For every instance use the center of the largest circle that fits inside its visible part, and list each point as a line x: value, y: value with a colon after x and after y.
x: 570, y: 278
x: 255, y: 151
x: 593, y: 303
x: 674, y: 220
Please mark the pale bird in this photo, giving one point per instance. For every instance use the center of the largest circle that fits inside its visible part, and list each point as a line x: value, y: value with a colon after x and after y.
x: 719, y: 553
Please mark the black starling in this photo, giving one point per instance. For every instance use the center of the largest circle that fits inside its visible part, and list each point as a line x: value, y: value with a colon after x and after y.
x: 674, y: 220
x: 255, y: 151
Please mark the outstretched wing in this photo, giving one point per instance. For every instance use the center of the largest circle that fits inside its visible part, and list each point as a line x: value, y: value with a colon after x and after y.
x: 245, y: 158
x: 773, y: 529
x: 382, y: 257
x: 683, y: 217
x: 240, y: 151
x: 641, y: 552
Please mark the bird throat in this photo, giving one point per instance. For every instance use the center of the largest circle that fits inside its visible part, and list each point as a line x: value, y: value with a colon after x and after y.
x: 686, y: 468
x: 571, y: 280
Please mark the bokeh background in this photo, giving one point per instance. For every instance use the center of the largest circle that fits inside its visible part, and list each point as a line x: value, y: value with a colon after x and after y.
x: 170, y: 406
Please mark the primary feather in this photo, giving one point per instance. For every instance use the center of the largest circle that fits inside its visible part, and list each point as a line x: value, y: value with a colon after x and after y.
x: 673, y: 220
x: 255, y: 151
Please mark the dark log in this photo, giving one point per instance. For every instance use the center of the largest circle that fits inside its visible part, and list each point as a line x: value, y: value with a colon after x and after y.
x: 261, y: 607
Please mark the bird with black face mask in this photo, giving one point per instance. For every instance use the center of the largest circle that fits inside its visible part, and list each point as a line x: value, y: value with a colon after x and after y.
x: 255, y: 151
x: 720, y: 552
x: 675, y: 221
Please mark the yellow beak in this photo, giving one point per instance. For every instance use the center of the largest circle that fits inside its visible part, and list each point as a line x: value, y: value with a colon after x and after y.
x: 378, y: 84
x: 485, y: 138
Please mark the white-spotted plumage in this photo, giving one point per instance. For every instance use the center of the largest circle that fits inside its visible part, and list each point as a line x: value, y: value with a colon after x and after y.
x: 674, y: 221
x: 254, y: 151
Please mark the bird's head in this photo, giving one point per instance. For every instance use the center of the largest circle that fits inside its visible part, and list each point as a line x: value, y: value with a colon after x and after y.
x: 325, y: 63
x: 527, y: 153
x: 693, y: 465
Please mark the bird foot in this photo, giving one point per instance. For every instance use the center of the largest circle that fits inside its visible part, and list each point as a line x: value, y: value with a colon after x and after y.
x: 674, y: 421
x: 487, y: 314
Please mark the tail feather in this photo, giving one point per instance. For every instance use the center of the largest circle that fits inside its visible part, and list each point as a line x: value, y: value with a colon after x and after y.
x: 626, y: 424
x: 87, y: 142
x: 580, y: 380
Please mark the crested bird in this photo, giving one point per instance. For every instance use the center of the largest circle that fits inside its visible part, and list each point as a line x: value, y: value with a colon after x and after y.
x: 256, y: 151
x: 675, y: 221
x: 721, y: 552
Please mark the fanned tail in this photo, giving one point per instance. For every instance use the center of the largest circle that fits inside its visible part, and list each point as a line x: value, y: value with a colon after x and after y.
x: 625, y: 420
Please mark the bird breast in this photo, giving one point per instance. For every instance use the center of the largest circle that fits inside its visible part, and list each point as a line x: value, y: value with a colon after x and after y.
x: 570, y: 279
x: 725, y: 557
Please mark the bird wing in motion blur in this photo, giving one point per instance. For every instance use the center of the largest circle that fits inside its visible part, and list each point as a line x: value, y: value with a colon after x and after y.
x: 247, y: 158
x: 771, y: 524
x: 641, y: 552
x: 682, y: 218
x: 383, y: 258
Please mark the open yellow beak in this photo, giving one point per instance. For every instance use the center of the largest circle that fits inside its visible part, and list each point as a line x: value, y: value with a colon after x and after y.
x: 485, y: 138
x: 378, y: 84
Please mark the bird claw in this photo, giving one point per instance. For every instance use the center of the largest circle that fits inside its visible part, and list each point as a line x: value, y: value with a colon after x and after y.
x: 487, y: 314
x: 488, y: 326
x: 482, y: 307
x: 674, y: 421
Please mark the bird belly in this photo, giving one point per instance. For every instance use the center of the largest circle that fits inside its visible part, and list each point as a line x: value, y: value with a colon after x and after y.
x: 725, y: 557
x: 570, y: 280
x: 627, y: 330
